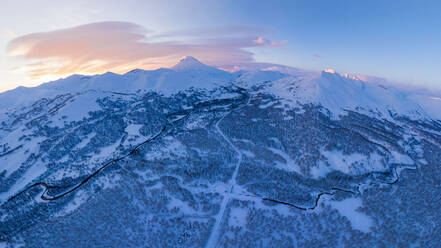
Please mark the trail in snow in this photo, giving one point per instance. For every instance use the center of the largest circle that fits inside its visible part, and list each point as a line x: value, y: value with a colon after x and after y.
x: 214, y: 236
x: 73, y: 188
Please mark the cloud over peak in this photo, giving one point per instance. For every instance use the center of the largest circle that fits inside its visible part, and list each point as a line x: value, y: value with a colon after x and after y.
x: 122, y: 46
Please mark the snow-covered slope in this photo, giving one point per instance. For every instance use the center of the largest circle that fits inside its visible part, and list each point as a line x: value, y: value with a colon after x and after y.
x: 193, y: 156
x: 333, y: 91
x: 188, y: 73
x: 339, y: 93
x: 431, y: 103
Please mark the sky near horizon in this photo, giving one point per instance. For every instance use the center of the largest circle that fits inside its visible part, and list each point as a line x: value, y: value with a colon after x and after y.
x: 45, y: 40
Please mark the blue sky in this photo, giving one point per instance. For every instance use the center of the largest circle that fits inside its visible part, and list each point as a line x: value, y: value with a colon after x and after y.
x: 398, y: 40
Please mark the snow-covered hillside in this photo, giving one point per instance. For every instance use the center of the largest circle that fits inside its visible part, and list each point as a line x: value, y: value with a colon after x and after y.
x: 333, y: 91
x: 338, y: 93
x: 194, y: 156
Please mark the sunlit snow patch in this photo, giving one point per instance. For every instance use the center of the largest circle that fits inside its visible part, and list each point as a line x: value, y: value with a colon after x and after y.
x: 349, y: 209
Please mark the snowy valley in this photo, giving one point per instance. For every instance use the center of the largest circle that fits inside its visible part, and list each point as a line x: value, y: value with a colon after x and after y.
x: 194, y: 156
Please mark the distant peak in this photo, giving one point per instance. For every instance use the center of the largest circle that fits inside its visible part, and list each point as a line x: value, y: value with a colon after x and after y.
x: 336, y: 74
x: 331, y: 71
x: 343, y: 75
x: 189, y: 59
x: 188, y: 63
x: 347, y: 75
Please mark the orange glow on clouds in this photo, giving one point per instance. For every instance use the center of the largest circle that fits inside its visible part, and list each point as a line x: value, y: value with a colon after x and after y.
x: 122, y: 46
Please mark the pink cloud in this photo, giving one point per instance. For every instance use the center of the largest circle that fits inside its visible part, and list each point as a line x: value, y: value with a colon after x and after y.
x: 265, y: 42
x: 122, y: 46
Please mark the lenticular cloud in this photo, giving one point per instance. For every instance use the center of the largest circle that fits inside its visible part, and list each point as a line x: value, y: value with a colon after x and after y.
x: 122, y: 46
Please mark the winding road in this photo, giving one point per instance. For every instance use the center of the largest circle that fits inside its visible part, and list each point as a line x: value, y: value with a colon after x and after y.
x: 229, y: 193
x: 133, y: 151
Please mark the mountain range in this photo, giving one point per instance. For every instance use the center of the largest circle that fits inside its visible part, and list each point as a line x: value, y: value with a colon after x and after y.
x: 194, y: 156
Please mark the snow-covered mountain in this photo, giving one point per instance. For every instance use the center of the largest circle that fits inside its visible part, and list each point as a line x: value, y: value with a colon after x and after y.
x: 188, y: 73
x: 331, y: 90
x: 194, y: 156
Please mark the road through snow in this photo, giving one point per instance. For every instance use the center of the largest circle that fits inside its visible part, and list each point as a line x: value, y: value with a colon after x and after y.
x: 214, y: 236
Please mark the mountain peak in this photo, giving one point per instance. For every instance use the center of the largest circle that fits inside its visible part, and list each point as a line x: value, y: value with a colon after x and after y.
x: 187, y: 59
x: 189, y: 63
